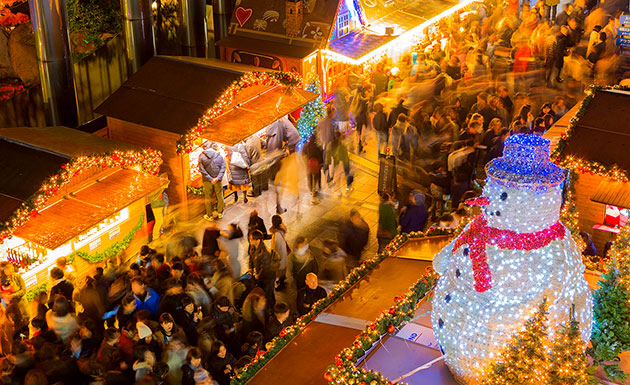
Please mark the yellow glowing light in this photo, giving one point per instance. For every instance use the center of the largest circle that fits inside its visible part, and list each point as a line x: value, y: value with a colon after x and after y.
x: 403, y: 41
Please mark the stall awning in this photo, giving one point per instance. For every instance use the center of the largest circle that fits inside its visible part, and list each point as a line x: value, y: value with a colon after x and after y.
x: 75, y: 214
x: 613, y: 193
x: 257, y: 113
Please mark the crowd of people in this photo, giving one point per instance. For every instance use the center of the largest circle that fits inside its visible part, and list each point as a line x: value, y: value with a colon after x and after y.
x: 197, y: 314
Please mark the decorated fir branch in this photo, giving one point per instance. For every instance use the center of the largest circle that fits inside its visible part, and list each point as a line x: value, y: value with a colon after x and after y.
x: 611, y: 326
x: 290, y: 332
x: 286, y: 79
x: 525, y: 360
x: 147, y: 161
x: 312, y: 112
x: 612, y: 172
x: 111, y: 251
x: 568, y: 363
x: 532, y: 358
x: 344, y: 371
x: 195, y: 190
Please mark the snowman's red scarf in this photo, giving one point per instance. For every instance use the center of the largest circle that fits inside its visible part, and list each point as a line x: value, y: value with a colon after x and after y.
x: 479, y: 235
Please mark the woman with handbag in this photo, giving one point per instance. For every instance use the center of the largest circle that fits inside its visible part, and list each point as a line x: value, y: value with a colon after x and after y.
x: 239, y: 170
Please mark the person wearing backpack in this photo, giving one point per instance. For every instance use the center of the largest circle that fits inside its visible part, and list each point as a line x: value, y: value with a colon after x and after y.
x: 265, y: 265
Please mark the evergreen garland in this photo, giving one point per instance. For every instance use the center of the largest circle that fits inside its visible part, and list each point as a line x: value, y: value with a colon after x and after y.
x: 312, y: 112
x: 111, y: 251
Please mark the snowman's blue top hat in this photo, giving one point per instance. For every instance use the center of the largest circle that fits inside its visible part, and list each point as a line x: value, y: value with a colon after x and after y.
x: 525, y: 161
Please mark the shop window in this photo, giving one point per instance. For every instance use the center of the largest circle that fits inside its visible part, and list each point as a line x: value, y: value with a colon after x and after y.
x: 343, y: 24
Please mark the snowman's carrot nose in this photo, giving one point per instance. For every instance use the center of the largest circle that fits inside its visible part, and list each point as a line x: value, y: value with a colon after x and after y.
x: 479, y: 201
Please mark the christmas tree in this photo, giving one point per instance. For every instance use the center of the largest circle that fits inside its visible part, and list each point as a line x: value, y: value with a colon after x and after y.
x: 611, y: 329
x: 525, y: 360
x: 312, y: 112
x: 568, y: 362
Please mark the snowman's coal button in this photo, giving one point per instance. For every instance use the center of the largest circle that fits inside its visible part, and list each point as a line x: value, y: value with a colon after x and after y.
x: 498, y: 213
x: 491, y: 212
x: 466, y: 251
x: 440, y: 323
x: 458, y: 273
x: 447, y: 299
x: 504, y: 196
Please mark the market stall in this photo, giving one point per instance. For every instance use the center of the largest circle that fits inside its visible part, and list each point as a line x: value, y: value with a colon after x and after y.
x: 593, y: 145
x: 329, y: 37
x: 172, y: 104
x: 70, y: 194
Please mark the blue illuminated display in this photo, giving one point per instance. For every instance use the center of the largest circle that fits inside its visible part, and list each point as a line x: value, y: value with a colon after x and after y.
x: 525, y: 161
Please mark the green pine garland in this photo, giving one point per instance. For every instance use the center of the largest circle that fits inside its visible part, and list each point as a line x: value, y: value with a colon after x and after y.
x: 312, y: 112
x: 195, y: 190
x: 290, y: 332
x: 344, y: 370
x: 32, y: 293
x: 111, y: 251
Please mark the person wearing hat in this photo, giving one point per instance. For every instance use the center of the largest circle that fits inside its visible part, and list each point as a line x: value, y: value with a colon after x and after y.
x: 212, y: 167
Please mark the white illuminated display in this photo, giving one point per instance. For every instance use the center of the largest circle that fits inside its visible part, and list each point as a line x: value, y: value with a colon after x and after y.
x: 524, y: 196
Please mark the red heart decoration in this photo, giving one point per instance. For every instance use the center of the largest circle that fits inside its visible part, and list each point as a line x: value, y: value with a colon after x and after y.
x: 243, y: 14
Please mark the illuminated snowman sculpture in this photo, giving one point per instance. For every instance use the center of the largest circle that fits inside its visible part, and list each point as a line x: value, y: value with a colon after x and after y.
x: 494, y: 275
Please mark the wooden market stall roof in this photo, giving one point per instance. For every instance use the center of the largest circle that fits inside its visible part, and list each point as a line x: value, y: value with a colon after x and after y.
x: 361, y: 42
x: 240, y: 123
x: 172, y: 94
x: 612, y: 193
x: 602, y: 134
x: 29, y: 156
x: 80, y: 211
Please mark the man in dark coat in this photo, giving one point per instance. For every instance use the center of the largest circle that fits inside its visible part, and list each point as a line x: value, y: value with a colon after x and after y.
x: 280, y: 319
x: 563, y: 42
x: 60, y: 286
x: 212, y: 167
x: 393, y: 114
x: 308, y: 295
x: 355, y: 233
x: 257, y: 223
x: 414, y: 215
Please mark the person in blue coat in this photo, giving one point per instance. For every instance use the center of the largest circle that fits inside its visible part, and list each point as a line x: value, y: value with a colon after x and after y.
x: 212, y: 167
x: 414, y: 215
x: 146, y: 298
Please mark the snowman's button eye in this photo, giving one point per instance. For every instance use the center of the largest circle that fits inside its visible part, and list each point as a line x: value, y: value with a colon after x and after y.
x: 466, y: 251
x: 457, y: 273
x: 447, y: 299
x: 440, y: 323
x: 498, y: 213
x: 504, y: 196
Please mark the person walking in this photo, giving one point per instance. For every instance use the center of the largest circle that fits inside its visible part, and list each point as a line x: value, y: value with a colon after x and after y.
x: 212, y: 167
x: 327, y: 130
x: 355, y: 234
x: 13, y: 289
x: 253, y: 146
x: 379, y: 121
x: 301, y: 262
x: 561, y: 49
x: 315, y: 160
x: 360, y: 113
x: 264, y: 270
x: 279, y: 244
